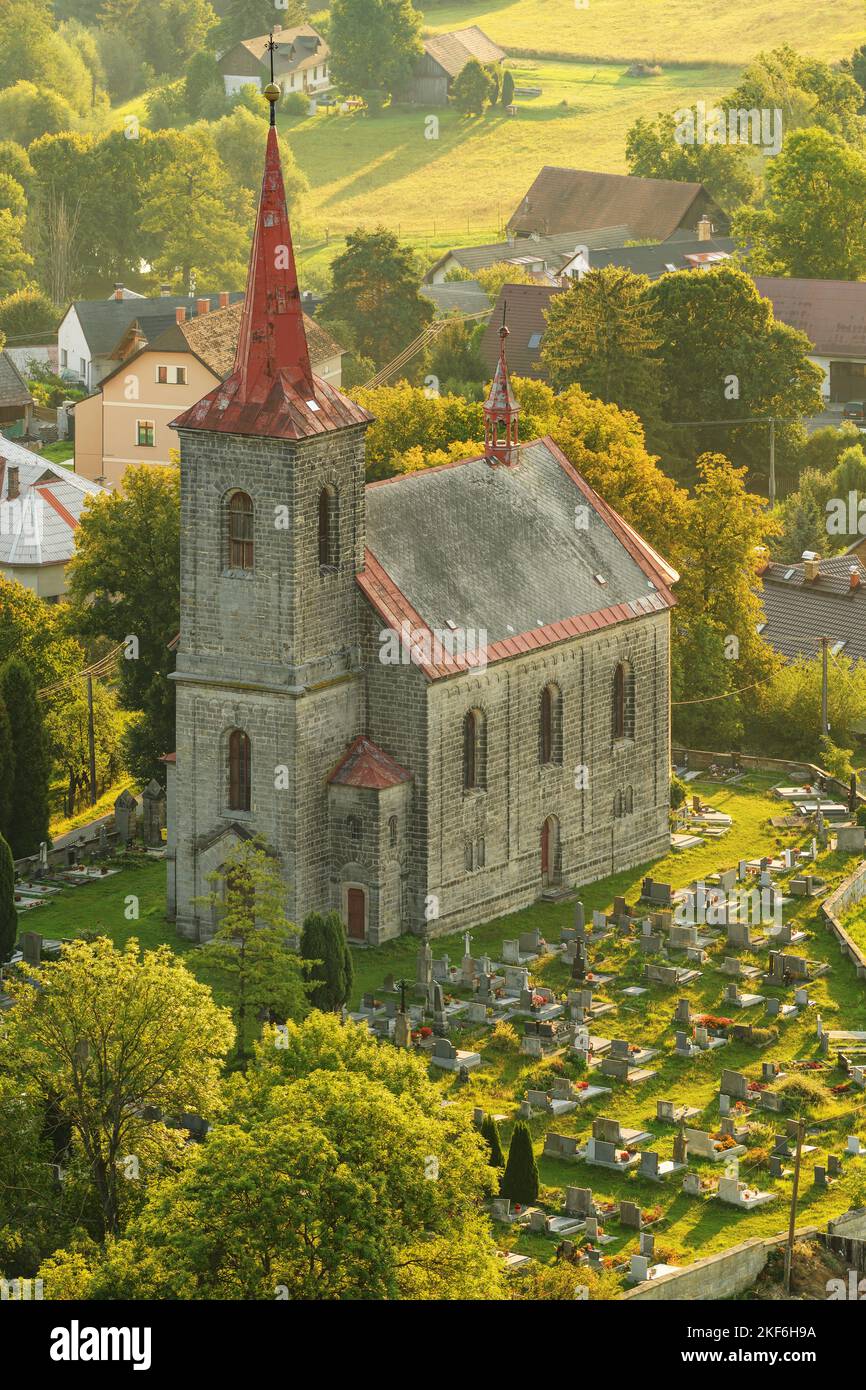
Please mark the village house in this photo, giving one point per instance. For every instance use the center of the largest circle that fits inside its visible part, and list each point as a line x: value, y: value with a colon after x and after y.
x: 563, y: 200
x: 444, y: 58
x: 90, y: 330
x: 300, y: 62
x: 128, y: 418
x: 16, y: 402
x: 545, y: 257
x: 40, y: 507
x: 819, y: 597
x: 435, y: 698
x: 832, y: 314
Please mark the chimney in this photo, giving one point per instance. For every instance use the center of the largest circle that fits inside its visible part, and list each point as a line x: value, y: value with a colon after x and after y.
x: 811, y: 565
x: 855, y: 580
x: 224, y: 299
x: 180, y: 314
x: 278, y: 28
x: 12, y: 489
x: 164, y: 291
x: 202, y: 306
x: 705, y: 229
x: 762, y: 559
x: 118, y: 291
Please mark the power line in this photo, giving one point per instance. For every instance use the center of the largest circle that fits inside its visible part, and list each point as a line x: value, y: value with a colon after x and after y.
x: 706, y: 699
x: 98, y: 668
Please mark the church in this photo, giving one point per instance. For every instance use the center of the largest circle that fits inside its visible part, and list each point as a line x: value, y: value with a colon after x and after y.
x: 436, y: 699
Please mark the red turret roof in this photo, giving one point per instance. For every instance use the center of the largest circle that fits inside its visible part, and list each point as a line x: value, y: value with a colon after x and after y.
x: 501, y: 411
x: 272, y: 390
x: 365, y: 764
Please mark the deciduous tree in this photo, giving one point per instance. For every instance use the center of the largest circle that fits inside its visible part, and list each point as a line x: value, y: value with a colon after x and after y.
x: 374, y: 44
x: 374, y: 289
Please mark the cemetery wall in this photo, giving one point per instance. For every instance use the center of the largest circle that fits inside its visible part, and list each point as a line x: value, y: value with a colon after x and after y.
x: 725, y: 1275
x: 701, y: 758
x: 851, y: 1225
x: 834, y: 908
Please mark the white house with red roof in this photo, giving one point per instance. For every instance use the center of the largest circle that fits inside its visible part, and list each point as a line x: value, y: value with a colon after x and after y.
x: 40, y: 508
x: 436, y: 698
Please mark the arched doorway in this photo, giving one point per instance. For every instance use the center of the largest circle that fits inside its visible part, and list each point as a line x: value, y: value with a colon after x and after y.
x: 356, y: 914
x: 550, y: 852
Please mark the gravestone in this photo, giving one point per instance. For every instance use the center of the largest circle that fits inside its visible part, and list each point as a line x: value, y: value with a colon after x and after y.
x: 638, y: 1269
x: 665, y: 1110
x: 683, y: 1011
x: 820, y: 1175
x: 834, y: 1166
x: 125, y: 815
x: 500, y: 1208
x: 776, y: 1166
x: 615, y: 1067
x: 511, y: 952
x: 606, y: 1129
x: 735, y: 1085
x: 649, y: 1164
x: 630, y: 1215
x: 578, y: 1201
x: 152, y: 814
x: 31, y: 946
x: 647, y: 1244
x: 692, y: 1184
x: 402, y: 1030
x: 424, y: 967
x: 681, y: 1146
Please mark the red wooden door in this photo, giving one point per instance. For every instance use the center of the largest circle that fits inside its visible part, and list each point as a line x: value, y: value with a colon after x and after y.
x: 355, y: 905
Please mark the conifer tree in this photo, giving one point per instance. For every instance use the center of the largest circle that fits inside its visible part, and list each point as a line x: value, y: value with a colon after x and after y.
x: 520, y: 1179
x: 28, y: 805
x: 323, y: 942
x: 490, y: 1132
x: 7, y: 770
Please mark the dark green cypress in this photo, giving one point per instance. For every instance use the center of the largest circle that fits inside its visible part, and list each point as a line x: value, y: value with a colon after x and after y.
x: 490, y: 1132
x: 323, y: 940
x: 28, y: 811
x: 520, y: 1179
x: 8, y: 915
x: 507, y: 88
x: 7, y: 770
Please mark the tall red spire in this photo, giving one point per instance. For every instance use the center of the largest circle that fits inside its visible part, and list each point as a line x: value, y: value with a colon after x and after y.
x: 272, y: 339
x: 271, y: 390
x: 501, y: 410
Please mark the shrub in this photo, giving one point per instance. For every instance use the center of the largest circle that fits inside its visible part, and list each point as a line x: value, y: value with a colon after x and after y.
x: 27, y: 313
x: 802, y: 1088
x: 520, y: 1179
x: 295, y: 104
x: 507, y: 97
x: 166, y: 106
x: 490, y: 1132
x: 679, y: 792
x: 504, y: 1037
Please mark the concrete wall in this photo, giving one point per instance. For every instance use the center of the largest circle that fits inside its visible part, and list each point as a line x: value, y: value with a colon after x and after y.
x: 833, y: 909
x: 725, y: 1275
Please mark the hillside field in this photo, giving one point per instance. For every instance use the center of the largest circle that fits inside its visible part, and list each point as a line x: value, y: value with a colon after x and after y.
x: 664, y: 30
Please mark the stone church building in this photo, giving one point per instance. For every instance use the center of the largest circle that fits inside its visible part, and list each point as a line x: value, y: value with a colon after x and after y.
x: 435, y: 698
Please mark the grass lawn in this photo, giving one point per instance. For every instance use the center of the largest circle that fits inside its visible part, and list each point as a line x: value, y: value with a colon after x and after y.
x: 100, y: 906
x: 61, y: 452
x: 663, y: 30
x: 463, y: 186
x: 690, y: 1228
x: 855, y: 925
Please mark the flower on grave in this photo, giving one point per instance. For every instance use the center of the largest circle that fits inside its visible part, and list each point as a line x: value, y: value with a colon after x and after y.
x: 841, y: 1089
x: 517, y: 1206
x: 756, y: 1086
x: 426, y: 1032
x: 582, y: 1085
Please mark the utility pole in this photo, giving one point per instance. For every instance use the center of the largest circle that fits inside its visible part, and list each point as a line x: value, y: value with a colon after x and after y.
x: 772, y: 461
x: 825, y: 722
x: 91, y: 740
x: 789, y: 1248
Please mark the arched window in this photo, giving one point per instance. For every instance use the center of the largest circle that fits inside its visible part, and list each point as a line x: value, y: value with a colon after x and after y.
x: 353, y: 829
x: 618, y: 805
x: 329, y: 528
x: 474, y: 751
x: 629, y: 800
x: 392, y: 831
x: 623, y: 701
x: 239, y: 771
x: 551, y: 725
x: 240, y: 531
x: 467, y: 856
x: 479, y: 853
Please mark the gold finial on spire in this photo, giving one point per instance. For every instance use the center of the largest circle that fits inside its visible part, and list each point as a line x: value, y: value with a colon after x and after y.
x: 272, y: 91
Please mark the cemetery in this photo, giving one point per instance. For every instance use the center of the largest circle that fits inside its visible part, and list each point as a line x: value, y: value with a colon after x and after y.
x: 663, y: 1064
x: 660, y: 1050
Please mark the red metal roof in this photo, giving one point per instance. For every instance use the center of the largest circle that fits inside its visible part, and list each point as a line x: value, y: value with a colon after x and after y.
x: 365, y: 764
x: 45, y: 492
x: 272, y: 390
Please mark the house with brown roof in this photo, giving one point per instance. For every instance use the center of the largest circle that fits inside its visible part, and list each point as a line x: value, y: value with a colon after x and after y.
x: 562, y: 200
x: 444, y: 58
x: 165, y: 364
x: 819, y: 597
x: 300, y: 62
x: 832, y: 314
x: 16, y: 402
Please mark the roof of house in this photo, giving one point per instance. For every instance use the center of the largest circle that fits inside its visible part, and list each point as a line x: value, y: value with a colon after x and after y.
x: 467, y: 296
x: 42, y: 530
x: 560, y: 199
x: 365, y: 764
x: 800, y: 611
x: 103, y: 321
x: 453, y: 51
x: 296, y: 49
x: 654, y: 261
x: 500, y: 560
x: 525, y: 318
x: 832, y: 313
x: 13, y: 388
x: 553, y: 250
